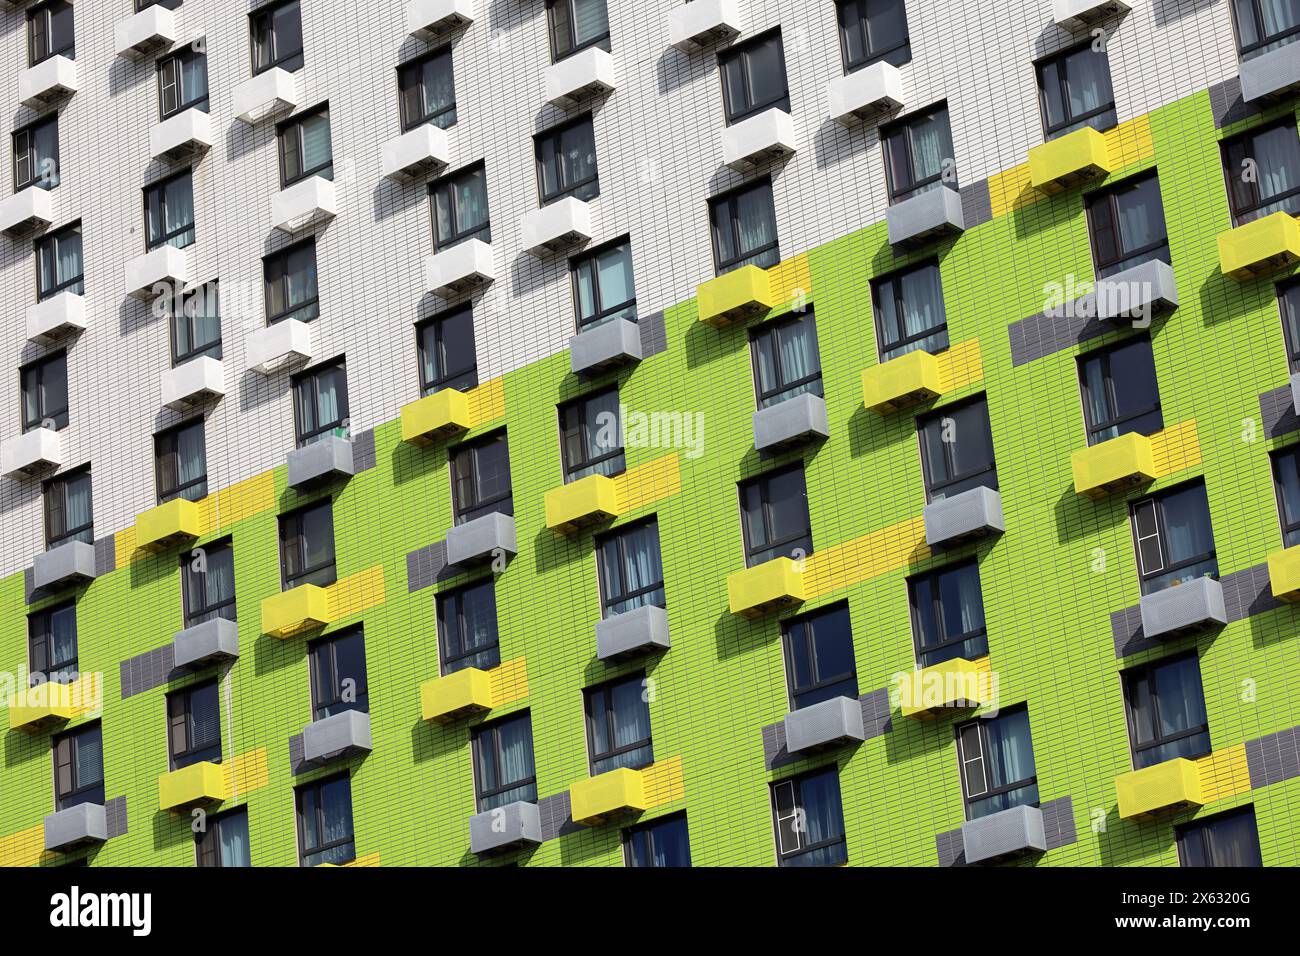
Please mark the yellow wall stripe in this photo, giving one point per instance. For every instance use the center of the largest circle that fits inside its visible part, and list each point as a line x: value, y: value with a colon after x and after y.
x: 370, y: 859
x: 664, y: 782
x: 648, y: 483
x: 1175, y: 448
x: 356, y: 593
x: 247, y: 772
x: 221, y: 509
x: 509, y: 682
x: 851, y: 562
x: 791, y: 279
x: 1224, y: 773
x: 24, y: 848
x: 960, y: 365
x: 487, y: 402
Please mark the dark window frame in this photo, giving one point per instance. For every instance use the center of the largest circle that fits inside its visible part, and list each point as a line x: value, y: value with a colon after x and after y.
x: 902, y: 345
x: 453, y: 602
x: 723, y: 214
x: 81, y: 791
x: 492, y: 728
x: 176, y: 63
x: 1290, y: 529
x: 1200, y: 829
x: 192, y: 612
x: 40, y: 644
x: 263, y: 20
x: 46, y: 10
x: 50, y: 242
x: 415, y: 68
x: 317, y: 790
x: 1109, y: 197
x: 898, y: 54
x: 310, y: 379
x: 900, y: 188
x: 807, y: 622
x: 970, y: 479
x: 798, y: 806
x: 766, y: 398
x: 29, y: 153
x: 37, y: 369
x: 1058, y: 60
x: 741, y: 51
x: 1288, y: 305
x: 68, y: 534
x: 292, y: 534
x: 207, y: 842
x: 1239, y: 148
x: 448, y: 183
x: 159, y: 189
x: 615, y: 542
x: 603, y: 312
x: 980, y: 726
x: 598, y: 705
x: 461, y: 380
x: 289, y: 135
x: 180, y: 722
x: 1245, y: 52
x: 762, y: 483
x: 645, y: 833
x: 467, y: 510
x: 279, y: 261
x: 327, y: 698
x: 601, y: 41
x: 172, y: 434
x: 1128, y: 678
x: 187, y: 312
x: 585, y: 189
x: 931, y: 579
x: 584, y: 430
x: 1094, y: 429
x: 1156, y: 503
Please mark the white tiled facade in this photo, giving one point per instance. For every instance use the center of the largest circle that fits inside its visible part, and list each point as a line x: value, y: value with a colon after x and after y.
x: 659, y: 149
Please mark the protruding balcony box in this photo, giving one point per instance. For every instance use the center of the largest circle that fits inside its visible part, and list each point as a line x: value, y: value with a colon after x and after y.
x: 1173, y: 784
x: 193, y: 383
x: 47, y: 82
x: 295, y: 611
x: 957, y: 684
x: 173, y: 523
x: 324, y: 460
x: 925, y: 216
x: 1271, y: 75
x: 958, y: 518
x: 274, y: 92
x: 481, y: 540
x: 1115, y: 465
x: 162, y: 271
x: 763, y: 138
x: 504, y: 828
x: 432, y: 19
x: 900, y: 382
x: 1284, y: 574
x: 63, y: 566
x: 37, y: 708
x: 54, y: 318
x: 1260, y: 247
x: 696, y: 24
x: 212, y: 642
x: 1069, y: 160
x: 463, y: 693
x: 146, y: 33
x: 336, y: 737
x: 609, y: 795
x: 866, y: 93
x: 1004, y: 834
x: 461, y: 268
x: 182, y: 136
x: 304, y: 205
x: 436, y: 417
x: 76, y: 827
x: 416, y: 153
x: 605, y: 346
x: 1189, y: 606
x: 737, y: 296
x: 581, y: 77
x: 791, y: 422
x: 199, y: 783
x: 830, y: 723
x: 1138, y: 293
x: 1083, y: 14
x: 582, y: 503
x: 32, y: 453
x: 637, y: 631
x: 558, y: 227
x: 771, y: 586
x: 26, y: 211
x: 286, y: 344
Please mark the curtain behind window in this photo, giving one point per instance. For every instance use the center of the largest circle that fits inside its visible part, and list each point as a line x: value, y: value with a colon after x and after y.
x: 1277, y: 153
x: 234, y: 840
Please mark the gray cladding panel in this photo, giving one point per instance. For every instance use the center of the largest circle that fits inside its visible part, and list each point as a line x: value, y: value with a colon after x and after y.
x: 1226, y: 103
x: 654, y: 334
x: 425, y: 565
x: 1047, y: 333
x: 1277, y: 410
x: 363, y: 451
x: 115, y: 815
x: 976, y: 204
x: 148, y: 670
x: 1274, y: 758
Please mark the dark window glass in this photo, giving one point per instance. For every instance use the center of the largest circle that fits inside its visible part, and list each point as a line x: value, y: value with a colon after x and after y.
x: 618, y: 725
x: 603, y: 286
x: 997, y: 763
x: 459, y: 204
x: 194, y: 725
x: 919, y: 154
x: 196, y: 324
x: 467, y: 628
x: 948, y: 615
x: 320, y: 402
x: 1286, y: 478
x: 169, y: 212
x: 291, y: 289
x: 447, y: 355
x: 1262, y: 167
x: 208, y: 583
x: 1120, y: 394
x: 753, y: 77
x: 809, y: 820
x: 1225, y: 839
x: 1289, y: 304
x: 305, y: 147
x: 1074, y: 91
x: 182, y: 82
x: 276, y: 37
x: 1127, y: 225
x: 591, y: 436
x: 774, y: 516
x: 50, y: 32
x: 480, y: 478
x: 909, y: 311
x: 1264, y: 25
x: 325, y: 822
x: 744, y: 228
x: 503, y: 762
x: 307, y: 546
x: 957, y: 449
x: 1173, y: 538
x: 79, y: 767
x: 662, y: 842
x: 52, y: 645
x: 566, y: 162
x: 44, y: 386
x: 576, y: 25
x: 224, y: 840
x: 58, y: 263
x: 68, y: 512
x: 1166, y: 711
x: 872, y: 30
x: 166, y: 4
x: 427, y: 90
x: 787, y: 363
x: 631, y: 572
x: 181, y: 462
x: 338, y: 675
x: 36, y: 155
x: 819, y: 661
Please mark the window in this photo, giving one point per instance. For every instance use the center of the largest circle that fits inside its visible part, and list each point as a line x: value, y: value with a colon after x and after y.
x: 36, y: 155
x: 1173, y: 538
x: 1288, y: 300
x: 1264, y: 25
x: 480, y: 478
x: 1074, y: 90
x: 576, y: 25
x: 603, y: 287
x: 320, y: 402
x: 1166, y: 711
x: 307, y: 546
x: 305, y: 147
x: 753, y: 77
x: 618, y: 725
x: 182, y: 82
x: 194, y: 725
x: 224, y: 840
x: 957, y: 449
x: 196, y: 324
x: 49, y: 31
x: 208, y: 583
x: 503, y: 762
x: 919, y: 154
x: 872, y: 30
x: 166, y: 4
x: 325, y: 822
x: 662, y: 842
x: 1120, y: 394
x: 45, y: 392
x: 427, y: 91
x: 169, y: 212
x: 68, y: 512
x: 948, y: 615
x: 909, y: 311
x: 291, y: 290
x: 591, y: 436
x: 79, y: 767
x: 786, y: 360
x: 1127, y: 225
x: 1225, y: 839
x: 459, y: 205
x: 744, y: 228
x: 52, y: 645
x: 1286, y: 479
x: 809, y: 820
x: 467, y: 628
x: 277, y: 37
x: 997, y: 763
x: 631, y: 572
x: 566, y: 162
x: 447, y: 355
x: 181, y: 462
x: 58, y: 263
x: 819, y: 661
x: 1262, y: 167
x: 338, y: 675
x: 774, y: 516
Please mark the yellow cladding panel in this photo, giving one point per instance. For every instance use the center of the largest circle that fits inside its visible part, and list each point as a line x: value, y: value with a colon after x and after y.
x: 651, y: 482
x: 861, y: 559
x: 664, y: 782
x: 1130, y: 142
x: 1260, y: 247
x: 791, y: 280
x: 32, y: 709
x: 1011, y: 189
x: 467, y: 691
x: 901, y: 382
x: 1069, y: 160
x: 1114, y: 465
x: 1284, y: 573
x: 355, y: 593
x: 509, y: 682
x: 487, y: 402
x: 580, y: 503
x: 369, y: 860
x: 292, y: 612
x: 766, y: 587
x: 168, y: 525
x: 246, y: 772
x: 738, y: 295
x: 957, y: 683
x: 24, y: 848
x: 595, y: 799
x: 1175, y: 448
x: 1224, y: 773
x: 203, y: 782
x: 960, y: 365
x: 1174, y: 783
x: 436, y: 417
